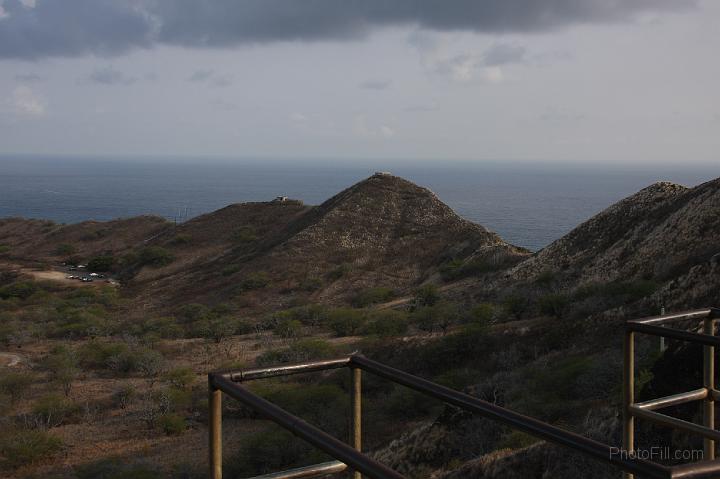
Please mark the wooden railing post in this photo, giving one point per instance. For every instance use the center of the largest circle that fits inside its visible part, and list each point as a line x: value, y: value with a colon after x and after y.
x: 709, y: 383
x: 215, y: 430
x: 356, y: 403
x: 628, y: 394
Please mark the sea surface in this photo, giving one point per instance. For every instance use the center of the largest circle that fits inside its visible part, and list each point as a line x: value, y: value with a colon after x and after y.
x: 529, y: 204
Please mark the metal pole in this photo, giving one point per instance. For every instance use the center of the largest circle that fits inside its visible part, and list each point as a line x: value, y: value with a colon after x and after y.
x: 628, y: 394
x: 356, y: 400
x: 709, y: 383
x: 215, y: 431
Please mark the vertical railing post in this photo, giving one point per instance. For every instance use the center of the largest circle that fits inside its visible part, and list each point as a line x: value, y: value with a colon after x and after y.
x: 709, y: 383
x: 628, y: 394
x: 215, y: 430
x: 356, y: 404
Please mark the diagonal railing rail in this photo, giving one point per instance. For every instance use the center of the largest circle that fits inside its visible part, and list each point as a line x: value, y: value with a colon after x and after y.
x: 350, y: 456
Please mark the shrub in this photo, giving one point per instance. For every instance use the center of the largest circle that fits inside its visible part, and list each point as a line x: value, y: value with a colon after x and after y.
x: 172, y: 424
x: 516, y: 305
x: 65, y: 249
x: 408, y: 404
x: 301, y: 350
x: 181, y: 239
x: 427, y: 295
x: 254, y: 281
x: 26, y: 447
x: 387, y: 323
x: 101, y: 263
x: 345, y: 321
x: 553, y: 304
x: 289, y: 328
x: 15, y: 385
x: 437, y: 317
x: 244, y: 234
x: 20, y: 290
x: 339, y: 272
x: 270, y: 451
x: 118, y: 469
x: 54, y: 410
x: 483, y: 313
x: 230, y: 270
x: 180, y: 378
x: 323, y: 405
x: 457, y: 269
x: 124, y: 396
x: 4, y: 248
x: 372, y: 296
x: 155, y: 256
x: 62, y: 363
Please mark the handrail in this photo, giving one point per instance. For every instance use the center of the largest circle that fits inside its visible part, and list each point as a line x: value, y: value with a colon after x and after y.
x: 353, y: 458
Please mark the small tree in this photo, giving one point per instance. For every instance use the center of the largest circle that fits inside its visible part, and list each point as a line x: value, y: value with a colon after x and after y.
x: 16, y: 385
x: 63, y: 365
x: 427, y: 295
x: 516, y: 305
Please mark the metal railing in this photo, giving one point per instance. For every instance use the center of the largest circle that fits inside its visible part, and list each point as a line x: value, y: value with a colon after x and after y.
x: 350, y: 456
x: 708, y: 394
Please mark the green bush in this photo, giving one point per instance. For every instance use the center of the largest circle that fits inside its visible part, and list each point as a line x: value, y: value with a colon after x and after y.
x: 21, y: 448
x: 440, y: 316
x: 301, y: 350
x: 386, y: 323
x: 408, y: 404
x: 482, y: 313
x: 155, y: 256
x: 181, y: 239
x: 230, y: 269
x: 124, y: 396
x: 270, y: 451
x: 54, y: 410
x: 19, y: 290
x: 370, y: 296
x: 101, y: 264
x: 254, y: 281
x: 180, y: 378
x: 15, y: 385
x: 516, y: 305
x: 457, y: 269
x: 65, y: 249
x: 118, y: 469
x: 339, y: 272
x: 427, y: 295
x: 4, y: 248
x: 323, y: 405
x: 345, y: 321
x: 172, y: 424
x: 553, y: 304
x: 244, y: 234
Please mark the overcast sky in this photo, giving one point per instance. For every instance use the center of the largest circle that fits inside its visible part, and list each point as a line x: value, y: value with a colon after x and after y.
x: 571, y: 80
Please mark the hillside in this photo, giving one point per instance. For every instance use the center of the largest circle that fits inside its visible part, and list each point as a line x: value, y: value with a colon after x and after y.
x: 270, y: 282
x: 383, y: 231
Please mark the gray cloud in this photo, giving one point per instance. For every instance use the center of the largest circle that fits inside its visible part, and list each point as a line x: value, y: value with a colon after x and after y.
x: 200, y: 76
x: 107, y: 27
x: 110, y: 76
x: 502, y: 53
x: 376, y: 84
x: 29, y: 77
x: 210, y: 77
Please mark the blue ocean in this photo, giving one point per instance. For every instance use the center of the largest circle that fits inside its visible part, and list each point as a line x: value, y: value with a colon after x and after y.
x: 529, y: 204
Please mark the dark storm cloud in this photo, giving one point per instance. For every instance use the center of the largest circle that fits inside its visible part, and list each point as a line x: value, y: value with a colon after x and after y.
x: 76, y: 27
